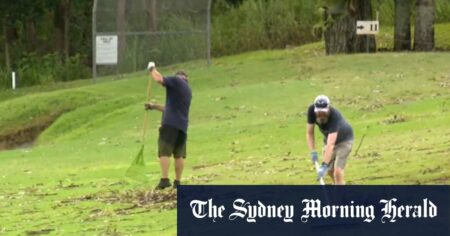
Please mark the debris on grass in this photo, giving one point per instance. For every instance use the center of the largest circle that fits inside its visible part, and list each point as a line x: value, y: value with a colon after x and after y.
x: 373, y: 107
x: 39, y: 232
x: 202, y: 179
x: 136, y: 197
x: 203, y: 166
x: 220, y: 98
x: 394, y: 119
x: 441, y: 180
x: 431, y: 170
x: 372, y: 156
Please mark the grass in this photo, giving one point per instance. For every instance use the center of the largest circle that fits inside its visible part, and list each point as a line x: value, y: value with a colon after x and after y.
x: 247, y: 127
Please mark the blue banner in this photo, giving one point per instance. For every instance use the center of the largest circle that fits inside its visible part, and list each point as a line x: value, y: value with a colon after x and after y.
x: 313, y: 210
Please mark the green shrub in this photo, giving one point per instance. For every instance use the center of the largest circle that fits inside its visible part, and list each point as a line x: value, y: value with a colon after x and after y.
x: 261, y: 24
x: 72, y: 69
x: 33, y: 69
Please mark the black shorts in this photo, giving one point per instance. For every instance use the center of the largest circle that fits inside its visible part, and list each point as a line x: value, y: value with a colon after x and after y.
x: 172, y: 141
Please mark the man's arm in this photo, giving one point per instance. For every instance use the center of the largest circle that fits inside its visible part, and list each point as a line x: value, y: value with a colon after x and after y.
x: 151, y: 106
x: 331, y: 141
x: 157, y: 76
x: 154, y: 73
x: 310, y: 137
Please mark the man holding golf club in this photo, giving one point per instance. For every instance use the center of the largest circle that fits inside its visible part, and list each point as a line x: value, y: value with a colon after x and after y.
x: 338, y: 138
x: 174, y: 125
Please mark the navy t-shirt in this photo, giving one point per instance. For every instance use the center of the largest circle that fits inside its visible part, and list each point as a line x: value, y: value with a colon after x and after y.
x: 336, y: 123
x: 178, y: 101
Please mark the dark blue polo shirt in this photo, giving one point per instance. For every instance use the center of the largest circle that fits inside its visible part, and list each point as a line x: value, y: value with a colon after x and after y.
x: 178, y: 101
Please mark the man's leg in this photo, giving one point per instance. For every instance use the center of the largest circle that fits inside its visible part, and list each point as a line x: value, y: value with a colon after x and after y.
x: 180, y: 155
x: 331, y: 164
x: 331, y: 174
x: 339, y: 176
x: 342, y: 151
x: 164, y: 182
x: 166, y: 144
x: 164, y: 162
x: 179, y: 166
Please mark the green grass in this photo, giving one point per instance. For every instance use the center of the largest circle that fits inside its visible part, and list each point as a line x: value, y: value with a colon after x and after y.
x: 247, y: 127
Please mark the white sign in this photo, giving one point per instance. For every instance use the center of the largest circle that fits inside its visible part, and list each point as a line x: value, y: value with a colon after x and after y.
x: 367, y: 27
x: 106, y: 50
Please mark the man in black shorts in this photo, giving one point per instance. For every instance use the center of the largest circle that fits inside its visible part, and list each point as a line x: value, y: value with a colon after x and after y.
x: 174, y: 125
x: 338, y: 138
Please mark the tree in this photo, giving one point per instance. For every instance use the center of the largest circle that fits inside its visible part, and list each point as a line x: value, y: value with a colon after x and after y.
x: 150, y: 8
x: 364, y: 12
x: 402, y: 30
x: 121, y: 24
x: 62, y: 24
x: 340, y: 18
x: 424, y: 27
x: 9, y: 35
x: 14, y: 14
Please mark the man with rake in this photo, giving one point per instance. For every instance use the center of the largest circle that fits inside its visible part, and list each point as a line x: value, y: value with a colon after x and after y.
x: 175, y: 117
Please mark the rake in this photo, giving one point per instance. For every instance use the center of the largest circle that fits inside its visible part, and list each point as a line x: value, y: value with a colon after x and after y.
x: 137, y: 168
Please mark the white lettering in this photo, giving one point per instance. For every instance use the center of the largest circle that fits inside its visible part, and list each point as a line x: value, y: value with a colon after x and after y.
x: 392, y: 212
x: 314, y: 209
x: 250, y: 213
x: 199, y: 209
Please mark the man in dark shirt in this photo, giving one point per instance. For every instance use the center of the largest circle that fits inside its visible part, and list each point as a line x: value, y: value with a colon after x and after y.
x: 174, y: 125
x: 338, y: 138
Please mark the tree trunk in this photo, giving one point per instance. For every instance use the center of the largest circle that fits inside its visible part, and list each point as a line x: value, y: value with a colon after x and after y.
x: 58, y: 22
x: 61, y: 23
x: 150, y: 7
x: 10, y: 34
x: 7, y: 56
x: 364, y: 43
x: 402, y: 31
x: 424, y: 28
x: 31, y: 35
x: 121, y: 22
x: 340, y: 36
x: 66, y: 28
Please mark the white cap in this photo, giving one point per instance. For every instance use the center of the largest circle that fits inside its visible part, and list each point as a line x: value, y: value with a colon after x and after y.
x: 321, y: 103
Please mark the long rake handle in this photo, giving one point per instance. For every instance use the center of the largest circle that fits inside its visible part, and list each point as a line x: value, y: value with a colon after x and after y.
x: 149, y: 90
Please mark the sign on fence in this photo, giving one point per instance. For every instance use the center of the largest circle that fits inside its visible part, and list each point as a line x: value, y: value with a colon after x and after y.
x: 106, y: 50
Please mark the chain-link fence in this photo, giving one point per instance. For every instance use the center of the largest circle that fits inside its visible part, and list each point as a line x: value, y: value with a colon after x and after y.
x: 129, y: 33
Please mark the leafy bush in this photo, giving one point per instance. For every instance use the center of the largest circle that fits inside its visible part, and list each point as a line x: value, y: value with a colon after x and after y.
x: 72, y: 69
x: 33, y: 69
x: 261, y: 24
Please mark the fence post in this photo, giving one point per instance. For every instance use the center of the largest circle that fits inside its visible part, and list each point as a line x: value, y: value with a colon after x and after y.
x: 94, y: 38
x: 13, y: 80
x: 208, y: 33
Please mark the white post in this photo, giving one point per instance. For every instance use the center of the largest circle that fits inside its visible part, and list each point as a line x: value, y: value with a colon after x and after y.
x: 13, y: 80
